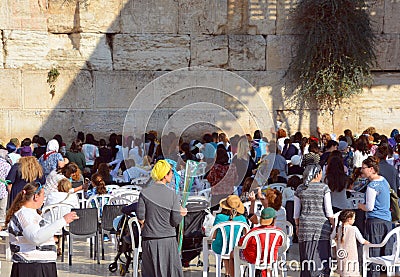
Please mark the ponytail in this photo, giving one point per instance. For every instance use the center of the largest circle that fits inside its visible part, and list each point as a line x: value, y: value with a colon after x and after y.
x: 22, y: 197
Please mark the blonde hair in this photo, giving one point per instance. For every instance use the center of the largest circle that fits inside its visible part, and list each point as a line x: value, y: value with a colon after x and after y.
x: 243, y: 149
x: 30, y: 168
x: 64, y: 185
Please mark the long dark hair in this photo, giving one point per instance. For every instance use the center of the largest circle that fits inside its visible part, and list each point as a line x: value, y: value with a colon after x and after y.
x: 222, y: 157
x: 76, y: 146
x: 335, y: 177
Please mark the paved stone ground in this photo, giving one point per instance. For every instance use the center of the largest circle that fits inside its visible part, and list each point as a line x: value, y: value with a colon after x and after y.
x: 82, y: 265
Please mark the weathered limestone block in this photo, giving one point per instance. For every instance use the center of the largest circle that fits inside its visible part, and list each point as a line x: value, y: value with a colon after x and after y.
x: 150, y: 52
x: 23, y: 15
x: 25, y: 124
x: 391, y: 21
x: 4, y: 128
x: 283, y: 14
x: 246, y: 52
x: 63, y: 16
x: 100, y: 16
x: 388, y: 52
x: 210, y: 51
x: 149, y: 16
x: 280, y: 50
x: 74, y: 90
x: 202, y: 17
x: 26, y: 49
x: 1, y: 51
x: 269, y: 87
x: 84, y: 50
x: 119, y: 89
x: 377, y: 12
x: 10, y: 89
x: 262, y: 16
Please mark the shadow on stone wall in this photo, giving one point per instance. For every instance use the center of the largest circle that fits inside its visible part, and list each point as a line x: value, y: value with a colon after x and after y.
x: 108, y: 52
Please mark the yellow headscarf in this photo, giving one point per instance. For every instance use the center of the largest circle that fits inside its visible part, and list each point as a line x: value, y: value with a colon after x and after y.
x: 160, y: 169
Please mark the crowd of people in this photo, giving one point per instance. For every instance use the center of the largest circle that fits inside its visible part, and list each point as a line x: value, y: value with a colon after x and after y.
x: 320, y: 172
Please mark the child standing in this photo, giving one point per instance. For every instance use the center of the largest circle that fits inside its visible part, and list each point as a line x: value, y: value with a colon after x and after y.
x: 346, y: 237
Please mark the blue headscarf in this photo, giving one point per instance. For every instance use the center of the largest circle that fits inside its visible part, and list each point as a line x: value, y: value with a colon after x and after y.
x: 176, y: 174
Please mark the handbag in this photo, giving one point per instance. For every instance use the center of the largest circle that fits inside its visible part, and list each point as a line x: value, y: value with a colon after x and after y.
x: 394, y: 205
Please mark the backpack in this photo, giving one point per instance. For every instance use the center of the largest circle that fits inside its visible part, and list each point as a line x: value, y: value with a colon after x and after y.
x: 394, y: 205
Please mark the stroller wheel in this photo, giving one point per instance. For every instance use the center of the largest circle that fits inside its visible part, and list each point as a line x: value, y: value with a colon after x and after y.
x: 199, y: 263
x: 122, y: 270
x: 113, y: 267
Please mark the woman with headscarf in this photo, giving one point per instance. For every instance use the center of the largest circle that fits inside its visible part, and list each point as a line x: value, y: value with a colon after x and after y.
x: 51, y: 160
x: 314, y: 222
x: 160, y: 213
x: 25, y: 171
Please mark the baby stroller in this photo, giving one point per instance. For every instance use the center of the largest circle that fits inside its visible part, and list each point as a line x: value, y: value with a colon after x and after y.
x: 192, y: 242
x: 124, y: 242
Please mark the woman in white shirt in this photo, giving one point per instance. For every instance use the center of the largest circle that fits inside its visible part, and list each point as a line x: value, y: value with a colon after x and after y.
x: 31, y: 239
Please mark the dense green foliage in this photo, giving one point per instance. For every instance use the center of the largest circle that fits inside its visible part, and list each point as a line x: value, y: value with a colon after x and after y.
x: 335, y: 51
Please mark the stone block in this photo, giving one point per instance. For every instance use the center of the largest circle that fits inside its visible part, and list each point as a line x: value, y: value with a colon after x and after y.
x: 246, y: 52
x: 280, y: 51
x: 29, y: 123
x: 388, y: 52
x: 10, y: 89
x: 209, y: 51
x: 203, y: 17
x: 150, y: 52
x: 4, y: 128
x: 26, y: 49
x: 123, y: 85
x: 262, y: 16
x: 391, y: 21
x: 283, y: 17
x: 149, y: 16
x: 64, y: 16
x: 74, y: 90
x: 100, y: 16
x: 23, y: 15
x: 377, y: 13
x: 80, y: 51
x: 1, y: 51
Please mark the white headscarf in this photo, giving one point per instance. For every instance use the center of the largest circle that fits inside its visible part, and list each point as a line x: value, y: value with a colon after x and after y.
x: 52, y: 145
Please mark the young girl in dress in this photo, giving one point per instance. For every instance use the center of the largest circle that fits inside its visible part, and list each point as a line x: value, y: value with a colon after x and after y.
x: 346, y: 239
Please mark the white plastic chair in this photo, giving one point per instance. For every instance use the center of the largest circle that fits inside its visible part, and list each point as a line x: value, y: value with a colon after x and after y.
x: 206, y: 193
x: 287, y: 228
x: 99, y: 202
x: 112, y: 187
x: 54, y: 212
x: 81, y: 198
x: 390, y: 261
x: 278, y: 186
x: 140, y: 180
x: 136, y: 251
x: 118, y: 200
x: 228, y: 244
x: 264, y: 259
x: 257, y: 208
x: 6, y: 236
x: 132, y: 196
x: 131, y: 187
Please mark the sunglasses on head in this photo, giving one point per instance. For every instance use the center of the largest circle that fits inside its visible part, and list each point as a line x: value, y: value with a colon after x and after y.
x: 38, y: 188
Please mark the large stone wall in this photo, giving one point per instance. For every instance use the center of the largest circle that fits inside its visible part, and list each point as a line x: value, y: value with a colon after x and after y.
x: 107, y: 51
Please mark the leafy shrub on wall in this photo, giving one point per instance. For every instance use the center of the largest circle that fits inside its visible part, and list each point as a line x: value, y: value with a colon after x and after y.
x: 335, y: 51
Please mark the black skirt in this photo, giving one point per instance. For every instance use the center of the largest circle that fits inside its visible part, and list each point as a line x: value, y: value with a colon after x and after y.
x: 34, y: 270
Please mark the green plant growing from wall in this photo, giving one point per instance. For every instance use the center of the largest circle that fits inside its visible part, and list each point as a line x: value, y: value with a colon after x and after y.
x: 52, y: 76
x: 335, y: 50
